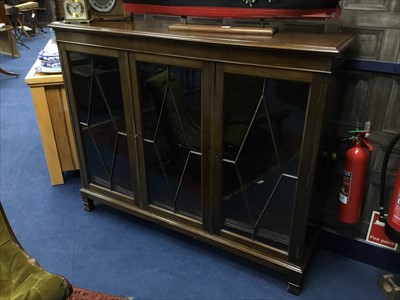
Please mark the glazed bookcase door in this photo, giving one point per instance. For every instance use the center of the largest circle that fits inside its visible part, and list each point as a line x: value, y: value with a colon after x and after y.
x: 100, y: 120
x: 264, y: 114
x: 174, y: 134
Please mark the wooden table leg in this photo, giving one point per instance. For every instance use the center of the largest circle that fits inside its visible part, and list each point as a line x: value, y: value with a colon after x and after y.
x: 2, y: 71
x: 47, y: 134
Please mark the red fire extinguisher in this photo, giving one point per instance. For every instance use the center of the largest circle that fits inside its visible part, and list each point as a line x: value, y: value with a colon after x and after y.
x: 355, y: 169
x: 392, y: 222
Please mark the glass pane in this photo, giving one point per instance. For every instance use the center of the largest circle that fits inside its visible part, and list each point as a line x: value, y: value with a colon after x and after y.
x: 98, y: 95
x: 263, y: 127
x: 171, y: 115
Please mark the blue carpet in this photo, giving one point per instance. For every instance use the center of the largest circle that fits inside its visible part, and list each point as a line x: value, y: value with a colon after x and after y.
x: 110, y: 252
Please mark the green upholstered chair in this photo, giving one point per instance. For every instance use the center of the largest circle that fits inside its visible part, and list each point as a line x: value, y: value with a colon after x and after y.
x: 21, y: 277
x: 182, y: 129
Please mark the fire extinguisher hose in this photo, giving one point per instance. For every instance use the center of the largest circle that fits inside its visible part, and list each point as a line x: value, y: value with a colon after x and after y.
x: 383, y: 177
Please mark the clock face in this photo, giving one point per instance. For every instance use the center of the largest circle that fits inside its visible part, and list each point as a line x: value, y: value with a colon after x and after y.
x: 75, y: 9
x: 103, y: 6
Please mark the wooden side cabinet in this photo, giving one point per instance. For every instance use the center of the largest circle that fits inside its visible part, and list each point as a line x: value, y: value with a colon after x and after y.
x: 211, y: 135
x: 54, y: 121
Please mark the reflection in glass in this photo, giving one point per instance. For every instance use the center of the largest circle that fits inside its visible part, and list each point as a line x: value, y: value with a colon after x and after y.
x: 97, y: 87
x: 171, y: 116
x: 263, y: 127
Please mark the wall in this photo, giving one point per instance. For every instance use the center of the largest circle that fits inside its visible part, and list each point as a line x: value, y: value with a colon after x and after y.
x: 366, y: 88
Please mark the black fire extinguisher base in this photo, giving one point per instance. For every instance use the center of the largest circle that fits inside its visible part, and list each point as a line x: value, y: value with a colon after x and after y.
x: 392, y: 234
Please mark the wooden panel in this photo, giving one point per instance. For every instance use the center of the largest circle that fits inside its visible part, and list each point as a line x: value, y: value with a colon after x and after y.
x: 369, y: 19
x: 354, y: 101
x: 367, y: 4
x: 391, y: 45
x: 47, y: 135
x: 58, y: 108
x: 391, y: 120
x: 392, y: 166
x: 367, y: 44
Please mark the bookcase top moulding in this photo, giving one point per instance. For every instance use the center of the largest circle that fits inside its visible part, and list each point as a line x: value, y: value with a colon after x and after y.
x: 246, y: 36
